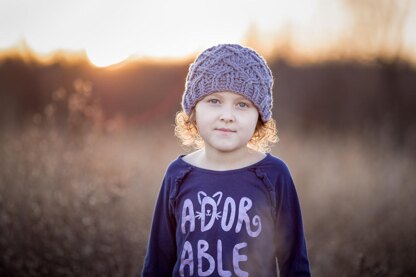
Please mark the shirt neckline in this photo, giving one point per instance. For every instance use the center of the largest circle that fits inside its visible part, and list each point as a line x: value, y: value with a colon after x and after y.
x: 212, y: 171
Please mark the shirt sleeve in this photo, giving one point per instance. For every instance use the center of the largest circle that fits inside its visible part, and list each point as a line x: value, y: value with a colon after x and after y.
x: 291, y: 246
x: 161, y: 251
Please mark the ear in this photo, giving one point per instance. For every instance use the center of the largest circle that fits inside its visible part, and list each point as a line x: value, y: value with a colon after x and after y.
x: 219, y: 195
x: 199, y: 196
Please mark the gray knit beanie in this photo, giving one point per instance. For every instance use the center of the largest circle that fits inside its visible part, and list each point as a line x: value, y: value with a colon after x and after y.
x: 233, y: 68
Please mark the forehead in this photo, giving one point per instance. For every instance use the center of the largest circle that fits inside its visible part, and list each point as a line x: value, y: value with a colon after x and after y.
x: 228, y: 94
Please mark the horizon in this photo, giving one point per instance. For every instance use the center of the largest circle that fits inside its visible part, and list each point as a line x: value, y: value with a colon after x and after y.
x: 24, y: 53
x: 117, y: 32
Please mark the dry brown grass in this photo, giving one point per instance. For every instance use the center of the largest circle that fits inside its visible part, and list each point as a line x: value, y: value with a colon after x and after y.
x: 357, y: 194
x: 77, y: 206
x: 80, y: 203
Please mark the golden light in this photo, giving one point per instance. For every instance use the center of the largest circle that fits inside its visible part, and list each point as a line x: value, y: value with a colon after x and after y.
x: 101, y: 58
x: 114, y: 30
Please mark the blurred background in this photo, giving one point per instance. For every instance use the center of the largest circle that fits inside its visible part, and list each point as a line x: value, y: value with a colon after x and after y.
x: 88, y: 95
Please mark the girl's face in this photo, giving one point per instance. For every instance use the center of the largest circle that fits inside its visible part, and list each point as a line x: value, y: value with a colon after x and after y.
x: 226, y: 121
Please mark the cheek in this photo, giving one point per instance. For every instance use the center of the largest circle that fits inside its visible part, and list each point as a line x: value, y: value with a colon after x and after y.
x: 201, y: 120
x: 203, y: 115
x: 252, y: 121
x: 253, y: 130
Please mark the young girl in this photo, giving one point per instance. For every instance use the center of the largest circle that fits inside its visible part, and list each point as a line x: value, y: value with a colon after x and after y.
x: 230, y: 208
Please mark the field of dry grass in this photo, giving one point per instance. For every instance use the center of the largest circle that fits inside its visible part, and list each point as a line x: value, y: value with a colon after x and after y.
x: 77, y: 195
x: 81, y: 205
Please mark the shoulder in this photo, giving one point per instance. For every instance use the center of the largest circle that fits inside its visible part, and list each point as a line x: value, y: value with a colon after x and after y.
x: 275, y: 168
x: 274, y: 163
x: 174, y: 173
x: 176, y: 166
x: 278, y: 174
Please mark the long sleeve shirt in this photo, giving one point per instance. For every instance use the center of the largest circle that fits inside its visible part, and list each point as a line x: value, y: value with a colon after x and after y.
x: 227, y: 223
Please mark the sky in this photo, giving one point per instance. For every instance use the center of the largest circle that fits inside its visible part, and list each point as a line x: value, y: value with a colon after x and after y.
x: 113, y: 30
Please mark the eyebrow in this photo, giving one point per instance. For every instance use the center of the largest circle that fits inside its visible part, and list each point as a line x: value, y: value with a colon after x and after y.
x: 216, y: 94
x: 242, y: 98
x: 238, y: 96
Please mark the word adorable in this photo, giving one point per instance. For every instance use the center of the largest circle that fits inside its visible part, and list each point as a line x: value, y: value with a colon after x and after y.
x: 233, y: 218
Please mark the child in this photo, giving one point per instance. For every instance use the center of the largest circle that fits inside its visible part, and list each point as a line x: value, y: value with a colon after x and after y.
x: 229, y: 208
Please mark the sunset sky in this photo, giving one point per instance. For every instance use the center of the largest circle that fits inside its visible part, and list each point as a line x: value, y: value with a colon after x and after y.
x: 111, y: 31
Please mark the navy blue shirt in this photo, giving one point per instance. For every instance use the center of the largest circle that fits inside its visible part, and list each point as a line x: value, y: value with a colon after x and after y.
x: 227, y: 223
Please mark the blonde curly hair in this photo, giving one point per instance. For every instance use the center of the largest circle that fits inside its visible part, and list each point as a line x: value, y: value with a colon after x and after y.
x: 186, y: 130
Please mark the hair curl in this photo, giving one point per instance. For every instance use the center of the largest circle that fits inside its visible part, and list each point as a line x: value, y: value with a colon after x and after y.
x: 265, y: 134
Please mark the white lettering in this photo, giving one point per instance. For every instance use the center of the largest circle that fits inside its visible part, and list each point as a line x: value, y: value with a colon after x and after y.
x: 208, y: 201
x: 228, y: 204
x: 221, y: 271
x: 205, y: 260
x: 237, y: 258
x: 244, y: 206
x: 202, y: 248
x: 188, y: 215
x: 187, y: 259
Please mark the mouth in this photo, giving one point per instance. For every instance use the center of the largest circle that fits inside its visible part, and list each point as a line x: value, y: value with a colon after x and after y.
x: 225, y: 130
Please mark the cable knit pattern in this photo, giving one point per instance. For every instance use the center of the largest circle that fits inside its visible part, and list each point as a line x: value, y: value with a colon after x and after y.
x: 230, y: 67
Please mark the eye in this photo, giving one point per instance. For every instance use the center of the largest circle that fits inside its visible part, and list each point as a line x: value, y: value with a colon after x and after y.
x: 213, y: 101
x: 243, y: 105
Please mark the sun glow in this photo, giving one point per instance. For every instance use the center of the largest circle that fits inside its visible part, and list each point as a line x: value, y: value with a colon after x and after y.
x: 112, y: 31
x: 102, y: 58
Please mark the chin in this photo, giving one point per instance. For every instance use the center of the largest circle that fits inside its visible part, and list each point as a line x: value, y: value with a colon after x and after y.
x: 227, y: 148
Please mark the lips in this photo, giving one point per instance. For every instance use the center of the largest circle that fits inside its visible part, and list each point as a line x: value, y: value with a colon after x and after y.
x: 225, y: 130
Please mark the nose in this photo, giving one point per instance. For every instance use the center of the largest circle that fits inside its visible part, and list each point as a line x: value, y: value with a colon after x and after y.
x: 227, y: 115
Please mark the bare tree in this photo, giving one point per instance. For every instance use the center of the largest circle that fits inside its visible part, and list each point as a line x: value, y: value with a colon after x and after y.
x: 377, y: 27
x: 378, y: 32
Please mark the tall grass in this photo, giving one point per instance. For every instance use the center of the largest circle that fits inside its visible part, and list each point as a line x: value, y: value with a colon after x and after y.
x: 78, y: 202
x: 357, y: 193
x: 77, y: 206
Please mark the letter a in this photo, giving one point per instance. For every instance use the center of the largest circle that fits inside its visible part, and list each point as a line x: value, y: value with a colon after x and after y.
x: 187, y: 259
x: 188, y: 215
